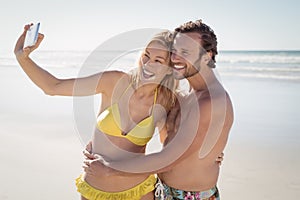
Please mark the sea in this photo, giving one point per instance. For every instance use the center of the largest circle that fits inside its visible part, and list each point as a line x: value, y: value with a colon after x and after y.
x: 264, y: 65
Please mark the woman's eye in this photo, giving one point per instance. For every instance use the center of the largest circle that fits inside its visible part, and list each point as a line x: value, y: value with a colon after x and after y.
x: 146, y: 56
x: 158, y: 61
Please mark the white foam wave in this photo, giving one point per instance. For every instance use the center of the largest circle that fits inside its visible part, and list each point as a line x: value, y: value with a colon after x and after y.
x: 270, y: 69
x: 262, y: 76
x: 259, y: 57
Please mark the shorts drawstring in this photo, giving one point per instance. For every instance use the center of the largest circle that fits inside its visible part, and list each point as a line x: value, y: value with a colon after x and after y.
x: 159, y: 192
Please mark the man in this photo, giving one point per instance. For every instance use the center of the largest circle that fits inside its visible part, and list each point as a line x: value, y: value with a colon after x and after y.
x: 193, y: 55
x: 198, y: 126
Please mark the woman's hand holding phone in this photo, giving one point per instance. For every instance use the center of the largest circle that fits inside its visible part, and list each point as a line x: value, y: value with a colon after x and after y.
x: 28, y: 41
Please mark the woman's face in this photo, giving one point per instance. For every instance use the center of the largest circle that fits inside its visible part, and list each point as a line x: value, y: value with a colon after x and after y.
x: 154, y: 63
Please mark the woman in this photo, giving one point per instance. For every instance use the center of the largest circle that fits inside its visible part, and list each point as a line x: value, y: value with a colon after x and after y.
x: 127, y: 115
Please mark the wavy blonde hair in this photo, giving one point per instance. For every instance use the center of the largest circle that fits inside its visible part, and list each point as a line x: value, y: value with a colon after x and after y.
x: 169, y: 84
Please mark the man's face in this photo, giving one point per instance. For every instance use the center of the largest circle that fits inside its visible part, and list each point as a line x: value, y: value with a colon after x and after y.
x: 185, y: 55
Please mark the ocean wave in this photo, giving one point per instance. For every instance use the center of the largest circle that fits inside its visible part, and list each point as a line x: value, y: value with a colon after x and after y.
x: 255, y: 64
x: 262, y: 76
x: 259, y: 57
x: 261, y: 69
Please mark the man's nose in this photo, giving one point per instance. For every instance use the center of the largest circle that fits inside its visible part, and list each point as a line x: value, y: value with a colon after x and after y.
x: 175, y: 57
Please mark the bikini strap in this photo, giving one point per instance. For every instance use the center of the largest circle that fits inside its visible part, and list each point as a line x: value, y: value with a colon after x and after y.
x: 154, y: 101
x: 125, y: 90
x: 155, y: 96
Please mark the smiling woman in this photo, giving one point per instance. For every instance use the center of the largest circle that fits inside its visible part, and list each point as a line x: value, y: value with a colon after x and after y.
x: 154, y: 54
x: 149, y: 84
x: 128, y: 115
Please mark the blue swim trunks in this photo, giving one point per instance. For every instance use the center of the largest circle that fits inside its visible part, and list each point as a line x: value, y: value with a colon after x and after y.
x: 164, y: 192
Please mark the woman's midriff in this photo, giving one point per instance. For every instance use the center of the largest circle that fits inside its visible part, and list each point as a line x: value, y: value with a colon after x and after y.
x: 114, y: 148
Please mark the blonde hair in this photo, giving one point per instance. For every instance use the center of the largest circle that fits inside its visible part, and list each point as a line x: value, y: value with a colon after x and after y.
x: 169, y: 84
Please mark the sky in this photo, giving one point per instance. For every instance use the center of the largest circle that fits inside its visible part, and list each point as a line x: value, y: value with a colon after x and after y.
x: 85, y: 24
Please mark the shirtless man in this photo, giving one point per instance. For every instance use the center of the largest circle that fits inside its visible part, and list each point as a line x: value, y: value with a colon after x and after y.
x: 196, y: 173
x: 202, y: 123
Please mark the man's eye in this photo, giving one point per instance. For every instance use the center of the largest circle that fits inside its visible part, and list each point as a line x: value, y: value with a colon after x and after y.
x: 185, y: 53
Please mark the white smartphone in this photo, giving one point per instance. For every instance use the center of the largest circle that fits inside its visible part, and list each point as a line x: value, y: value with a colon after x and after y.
x: 32, y: 35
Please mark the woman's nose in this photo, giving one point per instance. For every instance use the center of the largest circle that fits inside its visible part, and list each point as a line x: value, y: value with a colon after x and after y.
x: 150, y: 63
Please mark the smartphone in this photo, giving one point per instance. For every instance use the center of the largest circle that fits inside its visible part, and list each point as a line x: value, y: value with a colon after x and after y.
x: 32, y: 35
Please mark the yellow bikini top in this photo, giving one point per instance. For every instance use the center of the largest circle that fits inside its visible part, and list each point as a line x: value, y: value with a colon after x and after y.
x: 109, y: 122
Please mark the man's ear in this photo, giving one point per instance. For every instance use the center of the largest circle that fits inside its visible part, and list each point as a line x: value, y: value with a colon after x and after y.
x: 210, y: 54
x: 206, y: 58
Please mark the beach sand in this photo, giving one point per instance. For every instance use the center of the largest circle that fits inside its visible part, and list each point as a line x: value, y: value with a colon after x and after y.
x: 261, y: 157
x: 41, y: 153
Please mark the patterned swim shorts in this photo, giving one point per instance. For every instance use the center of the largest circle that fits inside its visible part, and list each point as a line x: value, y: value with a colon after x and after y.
x: 164, y: 192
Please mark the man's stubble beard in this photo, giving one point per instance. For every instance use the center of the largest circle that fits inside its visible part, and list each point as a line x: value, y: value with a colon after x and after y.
x: 187, y: 74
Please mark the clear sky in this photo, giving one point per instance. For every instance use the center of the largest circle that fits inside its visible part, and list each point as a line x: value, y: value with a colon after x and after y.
x: 85, y: 24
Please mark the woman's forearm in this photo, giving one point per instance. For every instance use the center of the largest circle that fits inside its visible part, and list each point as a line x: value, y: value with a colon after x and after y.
x: 42, y: 78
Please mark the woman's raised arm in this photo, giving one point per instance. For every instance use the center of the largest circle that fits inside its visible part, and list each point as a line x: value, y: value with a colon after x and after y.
x: 51, y: 85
